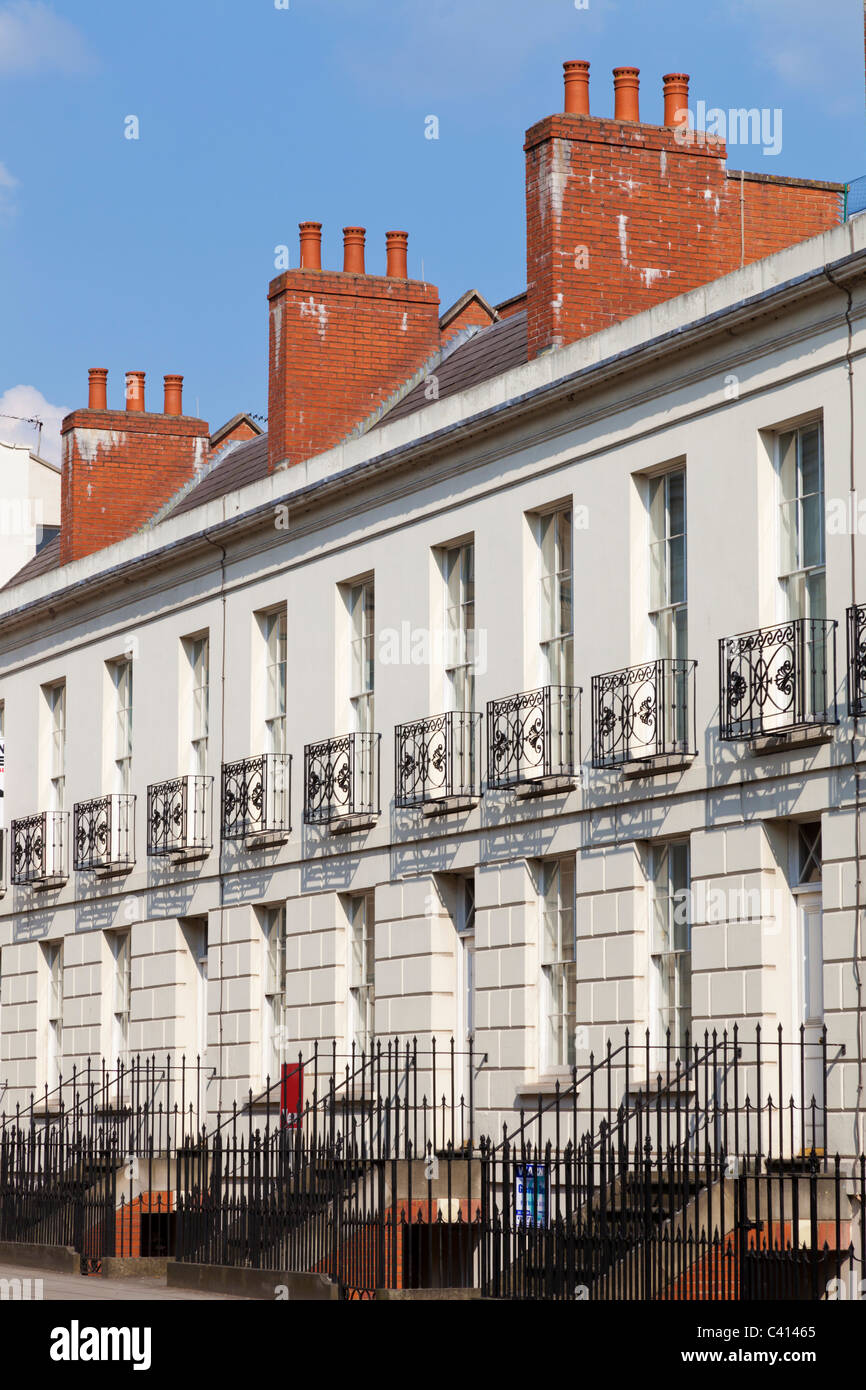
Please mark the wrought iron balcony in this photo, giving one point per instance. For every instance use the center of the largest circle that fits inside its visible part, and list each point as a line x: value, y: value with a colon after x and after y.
x: 179, y: 816
x: 857, y: 659
x: 778, y: 679
x: 644, y: 712
x: 103, y: 834
x: 341, y: 779
x: 436, y: 759
x: 533, y: 736
x: 257, y: 797
x: 40, y: 850
x: 3, y: 867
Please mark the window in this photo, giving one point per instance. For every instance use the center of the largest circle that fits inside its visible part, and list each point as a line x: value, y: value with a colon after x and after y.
x: 53, y: 953
x: 120, y: 944
x: 362, y: 637
x: 55, y: 696
x: 458, y: 565
x: 121, y: 675
x: 809, y: 853
x: 198, y: 655
x: 555, y: 596
x: 275, y: 681
x: 801, y: 485
x: 668, y: 611
x: 195, y: 933
x: 274, y: 929
x: 362, y: 972
x: 670, y: 946
x: 559, y: 978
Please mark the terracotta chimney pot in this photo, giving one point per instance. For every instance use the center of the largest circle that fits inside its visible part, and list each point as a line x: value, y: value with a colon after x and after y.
x: 626, y: 85
x: 576, y: 88
x: 97, y: 388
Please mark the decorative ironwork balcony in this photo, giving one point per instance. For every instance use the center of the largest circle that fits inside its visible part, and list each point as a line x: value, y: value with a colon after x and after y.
x: 103, y: 834
x: 644, y: 712
x: 3, y: 869
x: 436, y: 759
x: 39, y: 849
x: 533, y: 736
x: 778, y: 679
x: 257, y: 797
x: 857, y: 659
x: 179, y: 816
x: 341, y: 779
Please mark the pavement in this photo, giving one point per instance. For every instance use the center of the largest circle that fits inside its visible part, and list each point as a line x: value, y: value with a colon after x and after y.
x: 68, y: 1288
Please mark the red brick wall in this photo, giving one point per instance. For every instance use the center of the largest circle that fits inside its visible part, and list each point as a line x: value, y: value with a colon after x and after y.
x: 621, y: 216
x: 241, y: 432
x: 340, y: 345
x: 474, y: 315
x: 119, y: 467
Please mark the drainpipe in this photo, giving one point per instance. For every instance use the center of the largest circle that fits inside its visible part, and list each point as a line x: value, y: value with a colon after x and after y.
x: 858, y: 925
x: 222, y: 944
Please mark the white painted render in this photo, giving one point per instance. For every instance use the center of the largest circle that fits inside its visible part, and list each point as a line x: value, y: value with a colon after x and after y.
x: 679, y: 388
x: 29, y: 501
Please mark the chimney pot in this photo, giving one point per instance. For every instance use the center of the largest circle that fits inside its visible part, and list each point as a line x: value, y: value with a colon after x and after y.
x: 135, y: 390
x: 97, y: 379
x: 173, y: 395
x: 626, y: 84
x: 576, y: 88
x: 676, y: 90
x: 396, y: 255
x: 353, y: 250
x: 311, y: 245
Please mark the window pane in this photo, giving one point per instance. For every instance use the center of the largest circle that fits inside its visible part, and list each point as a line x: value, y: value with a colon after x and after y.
x: 676, y: 503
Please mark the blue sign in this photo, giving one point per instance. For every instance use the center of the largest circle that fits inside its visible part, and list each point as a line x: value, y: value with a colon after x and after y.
x: 530, y: 1195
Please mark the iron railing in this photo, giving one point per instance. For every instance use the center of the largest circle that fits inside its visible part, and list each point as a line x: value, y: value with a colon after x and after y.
x: 103, y: 833
x: 39, y: 849
x: 341, y: 778
x: 657, y: 1174
x: 644, y: 712
x: 436, y: 758
x: 777, y: 679
x: 3, y: 867
x: 533, y: 735
x: 179, y: 816
x: 857, y: 659
x: 257, y: 796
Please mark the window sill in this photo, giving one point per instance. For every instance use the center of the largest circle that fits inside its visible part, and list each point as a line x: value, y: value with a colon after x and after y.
x: 658, y: 766
x: 544, y: 786
x: 791, y: 739
x: 448, y: 805
x: 346, y: 824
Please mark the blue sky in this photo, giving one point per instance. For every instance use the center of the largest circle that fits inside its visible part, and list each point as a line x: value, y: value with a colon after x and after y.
x: 155, y: 254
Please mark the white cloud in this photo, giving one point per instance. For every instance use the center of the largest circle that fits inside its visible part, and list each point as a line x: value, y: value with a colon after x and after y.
x: 34, y: 38
x: 27, y: 403
x: 802, y: 43
x: 462, y: 48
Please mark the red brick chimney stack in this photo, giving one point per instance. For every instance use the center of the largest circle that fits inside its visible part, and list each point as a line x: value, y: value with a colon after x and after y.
x: 622, y: 214
x: 121, y: 466
x: 341, y: 342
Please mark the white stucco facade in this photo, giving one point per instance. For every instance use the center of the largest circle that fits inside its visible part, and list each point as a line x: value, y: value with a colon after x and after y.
x: 705, y: 384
